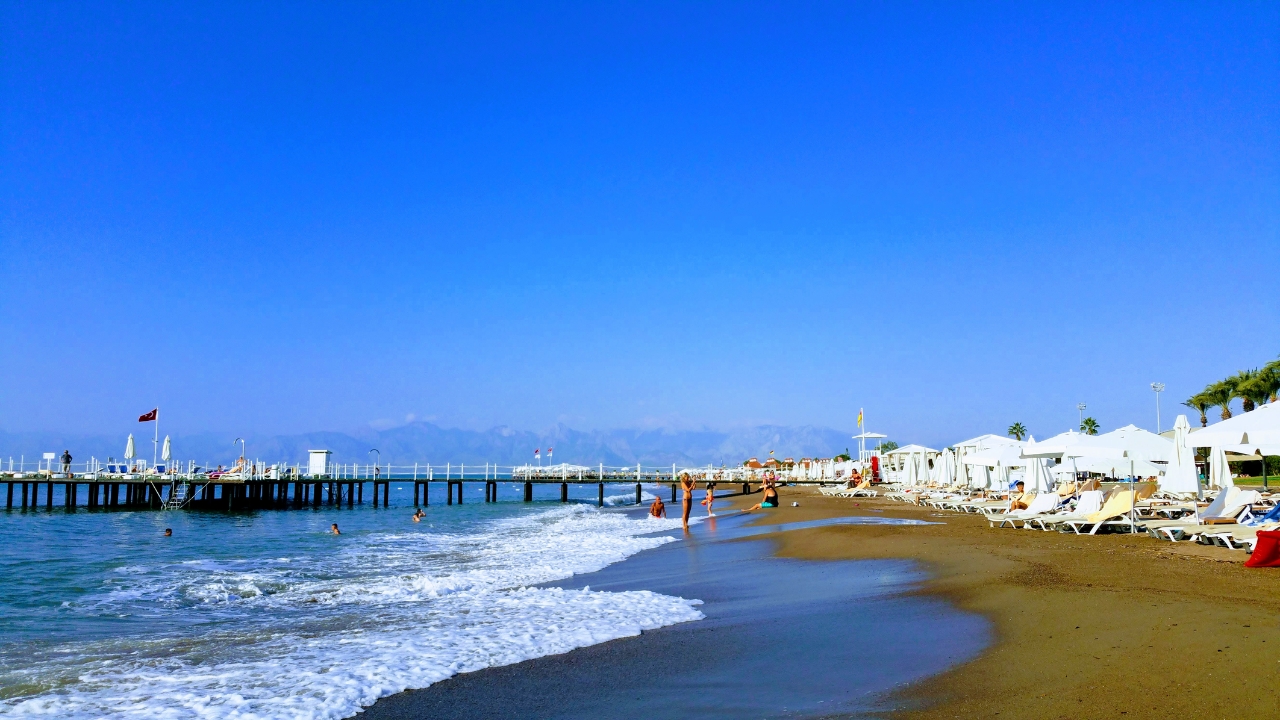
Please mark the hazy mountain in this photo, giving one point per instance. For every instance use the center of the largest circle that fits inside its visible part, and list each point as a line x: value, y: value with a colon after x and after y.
x: 424, y: 442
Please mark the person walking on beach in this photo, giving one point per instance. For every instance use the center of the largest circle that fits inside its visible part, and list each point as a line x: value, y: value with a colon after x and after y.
x: 658, y: 509
x: 687, y: 485
x: 710, y: 498
x: 66, y: 462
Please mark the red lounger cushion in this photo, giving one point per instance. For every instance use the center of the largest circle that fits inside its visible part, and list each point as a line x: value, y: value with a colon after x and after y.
x: 1267, y: 552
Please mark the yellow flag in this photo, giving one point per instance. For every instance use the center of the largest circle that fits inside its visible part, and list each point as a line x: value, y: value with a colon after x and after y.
x: 859, y: 417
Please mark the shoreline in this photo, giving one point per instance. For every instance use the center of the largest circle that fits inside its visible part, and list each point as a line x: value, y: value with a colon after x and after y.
x: 1084, y: 626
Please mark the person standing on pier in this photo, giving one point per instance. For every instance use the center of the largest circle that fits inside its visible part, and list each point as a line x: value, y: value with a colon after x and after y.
x: 66, y: 463
x: 686, y: 484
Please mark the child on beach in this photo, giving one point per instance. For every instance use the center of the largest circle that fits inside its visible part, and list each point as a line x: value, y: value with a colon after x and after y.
x: 710, y: 498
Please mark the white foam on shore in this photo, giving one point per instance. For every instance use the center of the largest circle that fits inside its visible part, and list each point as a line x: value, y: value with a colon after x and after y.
x: 323, y: 636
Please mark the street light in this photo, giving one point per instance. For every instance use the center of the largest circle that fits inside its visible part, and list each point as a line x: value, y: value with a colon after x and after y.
x: 1158, y: 388
x: 377, y: 461
x: 242, y: 462
x: 1081, y: 408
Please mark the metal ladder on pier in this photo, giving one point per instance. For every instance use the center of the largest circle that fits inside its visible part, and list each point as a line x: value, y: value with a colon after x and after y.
x: 178, y: 497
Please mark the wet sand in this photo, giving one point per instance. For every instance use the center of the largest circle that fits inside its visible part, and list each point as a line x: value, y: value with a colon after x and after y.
x: 1103, y: 626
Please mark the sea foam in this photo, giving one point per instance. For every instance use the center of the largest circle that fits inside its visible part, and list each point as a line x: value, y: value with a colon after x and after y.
x: 323, y: 635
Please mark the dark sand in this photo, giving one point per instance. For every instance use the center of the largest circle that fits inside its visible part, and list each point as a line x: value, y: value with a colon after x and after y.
x: 782, y: 638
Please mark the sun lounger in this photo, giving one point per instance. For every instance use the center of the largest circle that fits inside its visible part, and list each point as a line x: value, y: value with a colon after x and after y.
x: 1115, y: 512
x: 1231, y: 506
x: 1090, y: 502
x: 1043, y: 504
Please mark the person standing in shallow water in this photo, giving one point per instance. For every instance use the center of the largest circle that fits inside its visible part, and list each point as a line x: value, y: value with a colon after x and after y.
x: 658, y: 509
x: 687, y: 485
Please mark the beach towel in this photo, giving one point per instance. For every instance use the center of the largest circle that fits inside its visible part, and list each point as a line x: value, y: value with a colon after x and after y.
x: 1267, y: 552
x: 1273, y: 516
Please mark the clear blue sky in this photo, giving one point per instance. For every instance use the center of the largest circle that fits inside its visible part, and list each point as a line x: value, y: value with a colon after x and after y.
x: 314, y: 216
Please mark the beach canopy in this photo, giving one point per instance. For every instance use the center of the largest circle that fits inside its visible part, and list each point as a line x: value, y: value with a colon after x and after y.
x: 1111, y: 467
x: 1129, y: 442
x: 985, y: 442
x: 1181, y: 476
x: 129, y: 452
x: 1219, y: 470
x: 911, y: 450
x: 1003, y: 456
x: 1052, y: 447
x: 1258, y: 427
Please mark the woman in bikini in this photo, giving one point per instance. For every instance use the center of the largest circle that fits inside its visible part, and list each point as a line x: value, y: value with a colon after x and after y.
x: 770, y: 499
x: 687, y: 485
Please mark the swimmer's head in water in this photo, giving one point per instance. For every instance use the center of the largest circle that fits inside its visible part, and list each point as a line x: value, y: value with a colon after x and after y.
x: 168, y: 532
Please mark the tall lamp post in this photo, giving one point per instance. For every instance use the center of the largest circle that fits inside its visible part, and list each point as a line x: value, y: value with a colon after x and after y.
x: 1081, y: 408
x: 377, y: 460
x: 243, y: 461
x: 1157, y: 388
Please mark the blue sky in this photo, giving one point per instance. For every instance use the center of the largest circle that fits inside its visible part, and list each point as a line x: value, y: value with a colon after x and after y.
x: 315, y: 216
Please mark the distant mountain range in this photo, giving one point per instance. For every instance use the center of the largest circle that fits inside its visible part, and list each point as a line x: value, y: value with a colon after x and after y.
x: 423, y: 442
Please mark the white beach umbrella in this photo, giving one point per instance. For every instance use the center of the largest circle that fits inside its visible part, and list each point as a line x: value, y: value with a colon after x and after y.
x: 946, y: 467
x: 1052, y: 447
x: 1127, y: 443
x: 962, y: 472
x: 1181, y: 475
x: 1038, y: 478
x: 1219, y: 470
x: 129, y: 452
x: 166, y: 453
x: 1259, y: 427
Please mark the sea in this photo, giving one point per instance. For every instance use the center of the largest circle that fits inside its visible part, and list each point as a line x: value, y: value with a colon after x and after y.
x: 269, y: 615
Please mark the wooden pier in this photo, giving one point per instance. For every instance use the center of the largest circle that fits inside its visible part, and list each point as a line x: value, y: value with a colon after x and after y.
x: 298, y: 492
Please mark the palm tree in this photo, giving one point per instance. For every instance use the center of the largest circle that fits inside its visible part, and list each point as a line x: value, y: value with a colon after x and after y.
x: 1089, y: 426
x: 1200, y: 402
x: 1265, y: 384
x: 1017, y: 431
x: 1221, y: 394
x: 1241, y: 383
x: 1273, y: 369
x: 1256, y: 388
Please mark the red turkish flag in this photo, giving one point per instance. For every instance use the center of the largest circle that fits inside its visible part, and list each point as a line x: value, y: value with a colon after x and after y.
x: 149, y: 416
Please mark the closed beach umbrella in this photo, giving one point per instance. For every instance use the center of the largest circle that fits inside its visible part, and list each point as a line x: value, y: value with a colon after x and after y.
x: 166, y: 453
x: 128, y: 449
x: 1181, y: 476
x: 1219, y: 470
x: 962, y: 472
x: 1038, y: 478
x: 946, y: 467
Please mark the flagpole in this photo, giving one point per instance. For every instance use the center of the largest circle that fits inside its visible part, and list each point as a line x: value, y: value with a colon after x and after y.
x: 155, y: 441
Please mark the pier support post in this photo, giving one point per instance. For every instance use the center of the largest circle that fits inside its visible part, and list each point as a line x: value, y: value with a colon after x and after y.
x: 359, y: 492
x: 416, y: 490
x: 600, y: 494
x: 24, y: 495
x: 673, y: 493
x: 449, y: 488
x: 426, y: 493
x: 746, y: 488
x: 564, y: 492
x: 9, y: 502
x: 528, y: 491
x: 638, y: 494
x: 48, y: 498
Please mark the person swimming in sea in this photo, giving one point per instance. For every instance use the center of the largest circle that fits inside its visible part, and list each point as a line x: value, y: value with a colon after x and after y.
x: 770, y: 499
x: 658, y: 509
x: 168, y: 532
x: 334, y: 529
x: 418, y: 515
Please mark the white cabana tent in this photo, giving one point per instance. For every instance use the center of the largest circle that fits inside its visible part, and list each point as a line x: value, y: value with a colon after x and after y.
x: 1053, y: 447
x: 985, y: 442
x: 1181, y: 475
x: 914, y: 462
x: 999, y: 456
x: 1259, y: 427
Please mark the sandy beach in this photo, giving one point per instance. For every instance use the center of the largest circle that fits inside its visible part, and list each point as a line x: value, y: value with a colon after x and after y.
x: 1103, y: 626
